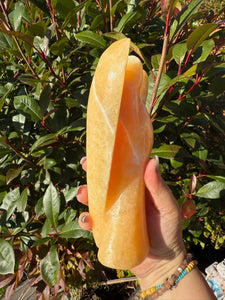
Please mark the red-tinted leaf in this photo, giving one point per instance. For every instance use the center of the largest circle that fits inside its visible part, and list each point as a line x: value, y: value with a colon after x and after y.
x: 81, y: 267
x: 164, y: 6
x: 21, y: 270
x: 62, y: 283
x: 9, y: 291
x: 6, y: 279
x: 35, y: 280
x: 29, y: 255
x: 56, y: 288
x: 188, y: 209
x: 46, y: 292
x: 89, y: 264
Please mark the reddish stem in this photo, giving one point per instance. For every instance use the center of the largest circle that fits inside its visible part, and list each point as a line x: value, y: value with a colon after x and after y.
x: 99, y: 5
x: 153, y: 75
x: 111, y: 18
x: 19, y: 153
x: 198, y: 78
x: 79, y: 17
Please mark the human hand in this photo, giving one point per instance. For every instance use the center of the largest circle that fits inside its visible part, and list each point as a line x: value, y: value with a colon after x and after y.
x: 167, y: 249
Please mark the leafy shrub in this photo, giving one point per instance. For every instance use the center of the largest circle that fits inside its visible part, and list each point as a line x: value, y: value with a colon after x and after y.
x: 48, y: 52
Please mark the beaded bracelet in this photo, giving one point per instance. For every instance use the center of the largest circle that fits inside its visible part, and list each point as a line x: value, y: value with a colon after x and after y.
x: 156, y: 291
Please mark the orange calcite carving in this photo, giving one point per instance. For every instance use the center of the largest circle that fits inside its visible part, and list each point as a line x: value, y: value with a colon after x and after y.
x: 119, y: 142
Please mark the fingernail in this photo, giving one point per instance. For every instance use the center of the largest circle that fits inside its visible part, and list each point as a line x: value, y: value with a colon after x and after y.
x: 157, y: 163
x: 83, y: 218
x: 83, y: 162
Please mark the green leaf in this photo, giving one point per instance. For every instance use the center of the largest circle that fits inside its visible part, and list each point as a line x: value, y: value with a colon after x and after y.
x: 78, y: 125
x: 97, y: 22
x: 51, y: 203
x: 50, y: 267
x: 19, y: 123
x: 217, y: 178
x: 159, y: 127
x: 64, y: 7
x: 179, y: 52
x: 59, y: 46
x: 69, y: 215
x: 165, y: 82
x: 45, y: 98
x: 201, y: 152
x: 30, y: 80
x: 43, y: 241
x: 190, y: 138
x: 217, y: 85
x: 24, y: 37
x: 9, y: 87
x: 70, y: 17
x: 113, y: 9
x: 199, y: 35
x: 115, y: 35
x: 5, y: 41
x: 73, y: 230
x: 46, y: 228
x: 190, y: 72
x: 49, y: 163
x: 91, y: 38
x: 70, y: 193
x: 10, y: 201
x: 212, y: 190
x: 13, y: 173
x: 42, y: 5
x: 16, y: 16
x: 166, y: 151
x: 44, y: 141
x: 37, y: 29
x: 39, y: 208
x: 128, y: 21
x: 184, y: 16
x: 29, y: 107
x: 2, y: 180
x: 155, y: 60
x: 7, y: 258
x: 22, y: 201
x: 204, y: 51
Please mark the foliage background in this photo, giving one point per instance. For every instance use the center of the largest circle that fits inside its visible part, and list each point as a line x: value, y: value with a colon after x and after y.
x: 48, y: 54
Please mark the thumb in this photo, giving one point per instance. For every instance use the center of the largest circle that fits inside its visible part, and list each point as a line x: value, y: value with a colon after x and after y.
x: 159, y: 191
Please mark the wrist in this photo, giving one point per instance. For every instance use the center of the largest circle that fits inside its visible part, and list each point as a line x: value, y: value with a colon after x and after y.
x: 165, y: 268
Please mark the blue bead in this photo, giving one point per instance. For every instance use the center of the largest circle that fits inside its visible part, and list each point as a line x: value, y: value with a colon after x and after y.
x: 158, y: 287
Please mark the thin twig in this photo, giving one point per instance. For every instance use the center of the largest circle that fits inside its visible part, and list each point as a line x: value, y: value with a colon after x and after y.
x: 163, y: 59
x: 10, y: 145
x: 25, y: 58
x: 110, y: 17
x: 159, y: 74
x: 16, y: 40
x: 119, y: 280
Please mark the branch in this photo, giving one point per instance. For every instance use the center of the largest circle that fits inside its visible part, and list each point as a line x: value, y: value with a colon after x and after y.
x: 10, y: 145
x: 16, y: 40
x: 163, y: 59
x: 159, y: 74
